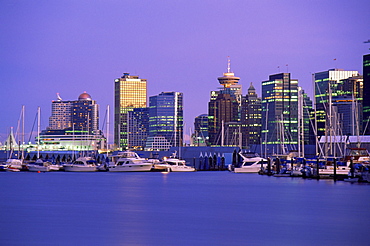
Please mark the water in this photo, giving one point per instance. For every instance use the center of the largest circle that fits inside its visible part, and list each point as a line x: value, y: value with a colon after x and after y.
x: 201, y: 208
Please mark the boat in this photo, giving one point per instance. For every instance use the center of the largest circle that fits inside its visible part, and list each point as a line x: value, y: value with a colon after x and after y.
x: 252, y: 163
x: 177, y: 165
x: 159, y: 166
x: 13, y: 164
x: 129, y: 161
x: 42, y: 166
x: 81, y: 164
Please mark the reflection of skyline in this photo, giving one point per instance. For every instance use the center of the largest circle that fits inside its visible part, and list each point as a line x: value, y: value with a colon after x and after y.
x: 69, y: 48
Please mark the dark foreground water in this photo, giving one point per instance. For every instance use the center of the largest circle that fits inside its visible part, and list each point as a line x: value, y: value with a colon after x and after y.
x: 201, y: 208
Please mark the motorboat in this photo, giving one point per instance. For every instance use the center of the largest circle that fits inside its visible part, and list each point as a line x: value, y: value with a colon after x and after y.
x: 13, y: 164
x: 81, y: 164
x: 252, y: 163
x: 42, y: 166
x: 159, y: 166
x: 177, y: 165
x: 129, y: 161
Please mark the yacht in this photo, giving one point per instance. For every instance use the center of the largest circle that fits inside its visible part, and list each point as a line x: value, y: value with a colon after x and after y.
x: 129, y: 161
x: 81, y: 164
x: 42, y: 166
x: 177, y: 165
x: 252, y: 163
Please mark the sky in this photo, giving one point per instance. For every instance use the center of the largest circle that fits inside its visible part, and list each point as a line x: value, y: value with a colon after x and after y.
x: 68, y: 47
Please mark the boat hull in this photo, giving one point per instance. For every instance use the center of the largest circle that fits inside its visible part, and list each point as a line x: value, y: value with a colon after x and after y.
x: 79, y: 169
x: 130, y: 168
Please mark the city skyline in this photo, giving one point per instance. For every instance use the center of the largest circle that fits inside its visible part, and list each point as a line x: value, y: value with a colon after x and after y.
x: 71, y: 47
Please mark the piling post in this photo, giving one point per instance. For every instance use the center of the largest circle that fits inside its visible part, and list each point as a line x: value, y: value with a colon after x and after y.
x: 269, y: 166
x: 277, y: 165
x: 335, y: 169
x: 352, y: 168
x: 317, y: 168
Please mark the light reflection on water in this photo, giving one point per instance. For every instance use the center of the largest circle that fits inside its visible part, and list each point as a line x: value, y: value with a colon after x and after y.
x: 201, y: 208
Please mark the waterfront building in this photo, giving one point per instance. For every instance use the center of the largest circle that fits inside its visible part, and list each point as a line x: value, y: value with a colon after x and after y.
x: 73, y: 125
x: 166, y: 117
x: 80, y: 115
x: 138, y: 125
x: 366, y: 94
x: 280, y: 112
x: 251, y: 118
x: 129, y: 92
x: 200, y: 136
x: 328, y: 85
x: 224, y: 108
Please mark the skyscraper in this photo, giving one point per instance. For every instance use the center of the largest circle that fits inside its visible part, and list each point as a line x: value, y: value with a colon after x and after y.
x: 366, y: 101
x: 251, y: 118
x: 280, y: 111
x: 138, y: 125
x: 200, y: 136
x: 129, y: 92
x: 327, y: 86
x: 81, y: 115
x: 166, y: 118
x: 224, y: 109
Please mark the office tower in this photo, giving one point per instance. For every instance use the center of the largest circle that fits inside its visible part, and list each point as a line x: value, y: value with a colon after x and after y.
x: 366, y: 94
x: 166, y: 119
x: 138, y: 125
x: 306, y: 117
x: 223, y: 111
x: 325, y: 122
x: 129, y: 92
x: 251, y: 118
x: 200, y: 136
x: 280, y: 111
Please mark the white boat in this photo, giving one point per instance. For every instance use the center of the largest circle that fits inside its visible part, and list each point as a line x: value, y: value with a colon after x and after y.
x: 81, y: 164
x: 42, y: 166
x: 177, y: 165
x: 13, y: 164
x: 129, y: 161
x: 251, y: 163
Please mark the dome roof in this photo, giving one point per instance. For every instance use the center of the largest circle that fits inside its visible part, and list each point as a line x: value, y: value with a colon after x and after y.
x: 84, y: 96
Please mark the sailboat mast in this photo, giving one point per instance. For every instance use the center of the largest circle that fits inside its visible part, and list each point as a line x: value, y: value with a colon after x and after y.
x: 38, y: 132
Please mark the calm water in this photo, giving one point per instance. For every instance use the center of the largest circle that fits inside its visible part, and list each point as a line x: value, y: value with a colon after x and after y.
x: 201, y: 208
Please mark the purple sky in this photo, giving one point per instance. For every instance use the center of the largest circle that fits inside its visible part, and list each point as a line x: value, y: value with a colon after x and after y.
x: 75, y: 46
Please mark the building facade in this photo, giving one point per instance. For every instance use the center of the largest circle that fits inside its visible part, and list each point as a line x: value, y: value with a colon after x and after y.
x: 280, y: 112
x: 138, y: 125
x: 366, y: 94
x: 200, y: 136
x: 327, y: 86
x: 166, y: 117
x: 251, y: 118
x: 129, y: 92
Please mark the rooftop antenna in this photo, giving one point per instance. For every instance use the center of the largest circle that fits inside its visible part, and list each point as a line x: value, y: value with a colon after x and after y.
x: 228, y: 64
x: 368, y: 41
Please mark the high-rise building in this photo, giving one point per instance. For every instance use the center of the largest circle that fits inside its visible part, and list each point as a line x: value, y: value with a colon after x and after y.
x: 129, y: 92
x: 327, y: 86
x: 80, y: 115
x: 366, y: 94
x: 251, y: 118
x: 280, y: 111
x: 224, y: 111
x: 138, y: 125
x: 73, y: 125
x: 200, y: 136
x: 166, y: 117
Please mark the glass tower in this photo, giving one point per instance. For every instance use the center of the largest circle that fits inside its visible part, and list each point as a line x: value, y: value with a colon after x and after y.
x: 280, y: 111
x: 129, y: 92
x: 166, y: 117
x: 328, y: 86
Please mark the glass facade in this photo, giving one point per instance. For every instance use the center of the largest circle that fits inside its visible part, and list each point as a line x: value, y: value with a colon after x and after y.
x: 138, y: 125
x: 166, y: 117
x: 129, y: 92
x: 280, y: 111
x: 328, y: 85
